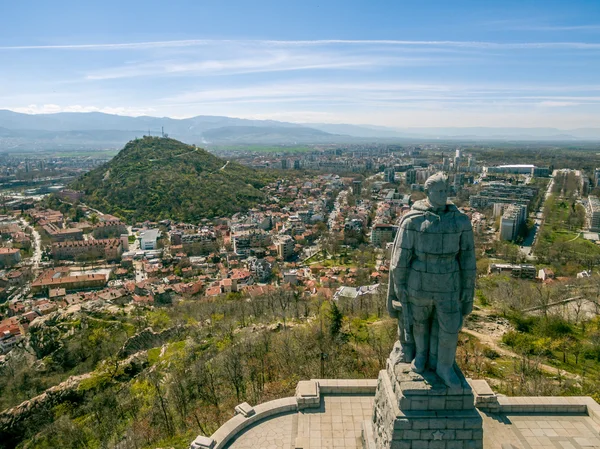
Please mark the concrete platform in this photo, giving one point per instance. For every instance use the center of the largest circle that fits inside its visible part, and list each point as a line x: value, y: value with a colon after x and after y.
x: 336, y: 422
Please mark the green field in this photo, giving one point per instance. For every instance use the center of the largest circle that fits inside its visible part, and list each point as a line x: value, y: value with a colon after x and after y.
x: 261, y: 148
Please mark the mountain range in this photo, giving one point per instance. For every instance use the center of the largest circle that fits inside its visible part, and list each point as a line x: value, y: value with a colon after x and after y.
x: 98, y: 130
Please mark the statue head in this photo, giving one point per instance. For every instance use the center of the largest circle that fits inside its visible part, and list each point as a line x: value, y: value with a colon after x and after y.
x: 436, y: 188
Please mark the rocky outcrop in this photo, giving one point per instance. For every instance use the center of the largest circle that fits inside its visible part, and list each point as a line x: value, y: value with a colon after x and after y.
x: 147, y: 339
x: 37, y: 411
x: 14, y: 421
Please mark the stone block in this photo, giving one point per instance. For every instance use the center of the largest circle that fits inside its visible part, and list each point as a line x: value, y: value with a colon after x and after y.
x: 454, y: 404
x: 244, y: 409
x: 464, y: 434
x: 437, y: 423
x: 412, y: 434
x: 437, y: 403
x: 468, y: 402
x: 419, y: 404
x: 456, y: 444
x: 481, y: 387
x: 202, y: 442
x: 455, y: 424
x: 421, y: 424
x: 307, y: 394
x: 477, y: 434
x: 401, y: 445
x: 416, y: 411
x: 449, y: 435
x: 473, y: 423
x: 403, y: 424
x: 473, y: 444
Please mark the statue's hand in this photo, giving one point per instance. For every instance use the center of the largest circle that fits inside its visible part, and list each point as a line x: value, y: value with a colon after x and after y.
x: 394, y: 304
x: 392, y: 311
x: 466, y: 301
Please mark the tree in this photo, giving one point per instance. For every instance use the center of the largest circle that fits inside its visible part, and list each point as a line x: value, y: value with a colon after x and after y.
x: 335, y: 320
x: 234, y: 371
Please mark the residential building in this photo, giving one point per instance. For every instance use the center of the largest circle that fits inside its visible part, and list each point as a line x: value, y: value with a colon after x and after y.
x: 285, y: 247
x: 245, y: 241
x: 261, y: 268
x: 383, y: 233
x: 9, y: 257
x: 512, y: 220
x: 290, y: 277
x: 517, y: 169
x: 541, y: 172
x: 109, y: 229
x: 525, y: 271
x: 500, y: 192
x: 593, y: 213
x: 57, y: 234
x: 109, y: 249
x: 62, y: 279
x: 389, y: 175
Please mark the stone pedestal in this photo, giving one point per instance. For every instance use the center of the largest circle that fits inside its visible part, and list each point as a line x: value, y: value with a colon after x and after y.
x: 414, y: 411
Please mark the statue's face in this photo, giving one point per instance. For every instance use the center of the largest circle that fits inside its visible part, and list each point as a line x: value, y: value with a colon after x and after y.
x: 438, y: 194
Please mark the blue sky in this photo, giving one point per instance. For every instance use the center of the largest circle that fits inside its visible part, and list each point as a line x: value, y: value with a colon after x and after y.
x: 393, y: 63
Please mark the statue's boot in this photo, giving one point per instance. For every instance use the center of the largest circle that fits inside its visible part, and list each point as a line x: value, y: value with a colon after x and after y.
x: 445, y: 361
x: 421, y: 337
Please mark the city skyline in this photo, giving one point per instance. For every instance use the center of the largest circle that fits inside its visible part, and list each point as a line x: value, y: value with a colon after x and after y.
x: 519, y: 65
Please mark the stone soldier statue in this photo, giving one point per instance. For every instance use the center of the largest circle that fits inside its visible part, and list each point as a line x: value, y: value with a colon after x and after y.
x: 432, y: 281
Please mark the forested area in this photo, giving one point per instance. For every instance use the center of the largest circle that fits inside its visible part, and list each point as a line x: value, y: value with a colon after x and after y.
x: 205, y: 357
x: 220, y: 353
x: 157, y: 178
x: 555, y: 325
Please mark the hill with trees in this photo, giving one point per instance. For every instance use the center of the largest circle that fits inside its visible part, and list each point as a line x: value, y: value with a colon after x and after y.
x: 156, y: 178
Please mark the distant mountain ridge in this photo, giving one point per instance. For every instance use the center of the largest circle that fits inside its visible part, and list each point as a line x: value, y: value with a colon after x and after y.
x: 99, y: 130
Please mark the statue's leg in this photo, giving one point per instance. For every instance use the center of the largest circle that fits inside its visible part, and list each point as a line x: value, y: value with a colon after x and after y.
x: 449, y: 318
x: 433, y: 345
x: 421, y: 314
x: 446, y: 357
x: 403, y: 350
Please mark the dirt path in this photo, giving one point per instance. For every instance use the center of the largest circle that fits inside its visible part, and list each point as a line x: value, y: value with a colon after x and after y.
x: 489, y: 341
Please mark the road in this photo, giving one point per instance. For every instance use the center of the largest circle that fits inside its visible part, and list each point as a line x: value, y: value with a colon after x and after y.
x: 527, y: 247
x: 140, y: 274
x: 337, y: 209
x: 37, y: 245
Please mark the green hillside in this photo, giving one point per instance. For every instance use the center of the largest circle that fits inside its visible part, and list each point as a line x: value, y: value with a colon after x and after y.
x: 157, y: 178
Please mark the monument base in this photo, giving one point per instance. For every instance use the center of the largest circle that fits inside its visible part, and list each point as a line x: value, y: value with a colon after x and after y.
x: 414, y: 411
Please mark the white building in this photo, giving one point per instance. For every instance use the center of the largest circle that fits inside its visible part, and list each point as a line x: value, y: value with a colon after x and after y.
x: 513, y: 218
x: 148, y: 239
x: 593, y: 212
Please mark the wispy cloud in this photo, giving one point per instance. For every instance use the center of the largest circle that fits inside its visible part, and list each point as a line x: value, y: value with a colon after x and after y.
x: 321, y: 42
x: 595, y: 27
x: 385, y: 94
x: 54, y: 108
x: 267, y: 61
